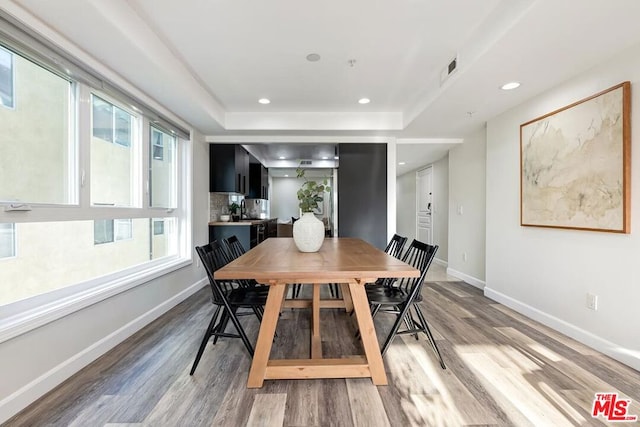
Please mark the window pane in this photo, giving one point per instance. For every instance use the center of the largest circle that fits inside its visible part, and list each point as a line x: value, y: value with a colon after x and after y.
x: 68, y: 255
x: 123, y: 229
x: 6, y: 78
x: 102, y: 119
x: 36, y: 158
x: 112, y: 165
x: 7, y: 240
x: 102, y: 231
x: 123, y: 127
x: 164, y: 237
x: 163, y: 172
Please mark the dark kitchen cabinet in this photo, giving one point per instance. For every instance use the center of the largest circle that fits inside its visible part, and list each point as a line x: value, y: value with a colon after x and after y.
x: 228, y: 168
x: 258, y: 181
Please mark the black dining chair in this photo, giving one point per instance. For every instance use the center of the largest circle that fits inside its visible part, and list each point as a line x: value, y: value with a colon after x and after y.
x: 394, y: 248
x: 228, y: 296
x: 404, y: 295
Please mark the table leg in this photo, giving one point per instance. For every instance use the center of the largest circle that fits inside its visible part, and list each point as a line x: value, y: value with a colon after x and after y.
x: 316, y: 341
x: 346, y: 297
x: 368, y: 333
x: 265, y: 336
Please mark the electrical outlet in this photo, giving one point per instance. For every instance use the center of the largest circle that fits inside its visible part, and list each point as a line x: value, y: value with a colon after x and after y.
x: 464, y: 256
x: 460, y: 210
x: 592, y: 301
x: 197, y: 262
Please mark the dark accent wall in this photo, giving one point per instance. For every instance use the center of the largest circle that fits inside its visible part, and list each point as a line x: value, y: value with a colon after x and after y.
x: 362, y: 192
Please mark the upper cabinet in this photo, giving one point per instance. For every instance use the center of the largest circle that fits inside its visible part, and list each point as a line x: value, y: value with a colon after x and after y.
x: 228, y: 168
x: 258, y: 181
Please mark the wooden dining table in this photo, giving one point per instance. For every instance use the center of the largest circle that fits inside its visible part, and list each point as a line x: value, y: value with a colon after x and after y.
x: 352, y: 263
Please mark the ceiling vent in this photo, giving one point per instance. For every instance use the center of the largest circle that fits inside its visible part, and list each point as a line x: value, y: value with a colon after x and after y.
x: 306, y: 162
x: 450, y: 69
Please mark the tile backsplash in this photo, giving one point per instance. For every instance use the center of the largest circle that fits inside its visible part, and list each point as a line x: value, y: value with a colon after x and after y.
x: 219, y: 202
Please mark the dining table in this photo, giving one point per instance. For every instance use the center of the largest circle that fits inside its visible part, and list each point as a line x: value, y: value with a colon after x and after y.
x: 350, y: 262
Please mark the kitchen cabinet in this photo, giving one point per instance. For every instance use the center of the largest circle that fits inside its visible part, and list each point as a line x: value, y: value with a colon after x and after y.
x: 258, y: 181
x: 228, y: 168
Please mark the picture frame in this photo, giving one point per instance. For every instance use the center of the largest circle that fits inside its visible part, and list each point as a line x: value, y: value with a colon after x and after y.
x: 575, y: 165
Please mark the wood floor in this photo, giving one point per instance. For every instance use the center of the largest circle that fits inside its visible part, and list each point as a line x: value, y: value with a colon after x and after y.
x: 503, y: 369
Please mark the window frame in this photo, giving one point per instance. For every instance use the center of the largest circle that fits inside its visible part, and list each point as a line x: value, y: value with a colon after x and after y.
x: 22, y: 316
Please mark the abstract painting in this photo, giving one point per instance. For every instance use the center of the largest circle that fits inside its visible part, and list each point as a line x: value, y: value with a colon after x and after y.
x: 575, y: 165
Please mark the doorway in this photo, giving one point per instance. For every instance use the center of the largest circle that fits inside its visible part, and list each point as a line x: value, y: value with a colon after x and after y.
x: 424, y: 205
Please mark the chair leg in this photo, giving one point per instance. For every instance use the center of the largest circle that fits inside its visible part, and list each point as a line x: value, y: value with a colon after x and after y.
x: 394, y: 329
x: 205, y: 340
x: 222, y: 325
x: 243, y: 335
x: 432, y: 340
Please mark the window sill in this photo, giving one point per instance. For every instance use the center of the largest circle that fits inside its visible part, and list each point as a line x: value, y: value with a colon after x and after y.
x: 21, y: 323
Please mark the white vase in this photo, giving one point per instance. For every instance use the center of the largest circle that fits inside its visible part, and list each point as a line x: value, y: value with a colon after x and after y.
x: 308, y: 233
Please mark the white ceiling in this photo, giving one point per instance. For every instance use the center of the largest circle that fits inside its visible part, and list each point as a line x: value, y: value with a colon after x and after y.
x: 210, y: 61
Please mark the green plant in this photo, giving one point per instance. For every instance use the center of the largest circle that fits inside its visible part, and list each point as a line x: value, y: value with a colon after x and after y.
x: 311, y: 192
x: 234, y: 208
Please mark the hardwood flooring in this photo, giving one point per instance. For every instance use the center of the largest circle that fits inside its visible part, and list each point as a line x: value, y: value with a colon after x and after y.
x: 502, y: 369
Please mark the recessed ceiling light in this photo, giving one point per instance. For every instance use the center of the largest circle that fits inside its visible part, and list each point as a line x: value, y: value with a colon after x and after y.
x: 313, y: 57
x: 324, y: 157
x: 335, y: 157
x: 282, y: 157
x: 364, y: 100
x: 510, y: 86
x: 264, y: 101
x: 402, y: 163
x: 286, y: 176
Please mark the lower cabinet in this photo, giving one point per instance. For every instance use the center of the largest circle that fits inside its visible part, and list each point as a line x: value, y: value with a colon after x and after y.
x: 243, y: 232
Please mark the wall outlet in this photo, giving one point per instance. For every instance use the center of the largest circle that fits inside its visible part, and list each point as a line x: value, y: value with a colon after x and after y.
x: 464, y: 256
x: 460, y: 210
x: 197, y: 262
x: 592, y: 301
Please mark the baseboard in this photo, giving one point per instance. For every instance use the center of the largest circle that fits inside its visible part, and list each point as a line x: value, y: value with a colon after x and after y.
x: 480, y: 284
x: 441, y: 262
x: 610, y: 349
x: 29, y: 393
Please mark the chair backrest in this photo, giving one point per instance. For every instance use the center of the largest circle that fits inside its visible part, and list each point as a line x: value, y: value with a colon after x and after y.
x: 419, y: 255
x: 234, y: 247
x: 395, y: 246
x: 213, y: 257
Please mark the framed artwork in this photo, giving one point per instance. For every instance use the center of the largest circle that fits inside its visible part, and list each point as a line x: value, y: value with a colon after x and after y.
x: 575, y: 165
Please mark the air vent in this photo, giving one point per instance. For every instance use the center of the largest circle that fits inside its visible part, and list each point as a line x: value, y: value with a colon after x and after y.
x: 306, y: 162
x: 450, y: 69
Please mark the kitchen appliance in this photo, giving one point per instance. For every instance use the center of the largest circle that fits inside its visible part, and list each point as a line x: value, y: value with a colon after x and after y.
x: 256, y: 208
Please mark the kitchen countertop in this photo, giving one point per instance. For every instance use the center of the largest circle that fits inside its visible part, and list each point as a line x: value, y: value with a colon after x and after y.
x: 243, y: 222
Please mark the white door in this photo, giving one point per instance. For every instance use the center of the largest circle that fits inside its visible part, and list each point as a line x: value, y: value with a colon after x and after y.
x: 424, y: 205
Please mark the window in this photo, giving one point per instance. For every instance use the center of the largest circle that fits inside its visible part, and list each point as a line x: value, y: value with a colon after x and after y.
x: 97, y: 233
x: 6, y: 79
x: 158, y: 227
x: 114, y: 168
x: 7, y: 240
x: 111, y: 230
x: 37, y: 154
x: 163, y: 170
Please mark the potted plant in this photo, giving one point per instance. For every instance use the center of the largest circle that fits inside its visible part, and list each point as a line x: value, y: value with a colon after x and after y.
x: 308, y: 231
x: 234, y: 208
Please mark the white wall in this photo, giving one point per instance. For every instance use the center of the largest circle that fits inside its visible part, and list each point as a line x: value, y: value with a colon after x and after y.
x: 284, y: 201
x: 406, y: 205
x: 546, y: 273
x: 440, y: 203
x: 467, y: 191
x: 36, y: 361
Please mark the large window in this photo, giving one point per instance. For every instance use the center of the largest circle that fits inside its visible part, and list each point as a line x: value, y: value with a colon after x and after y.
x: 73, y: 158
x: 7, y: 240
x: 6, y: 79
